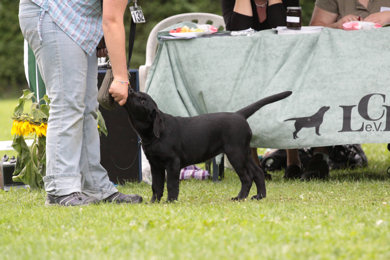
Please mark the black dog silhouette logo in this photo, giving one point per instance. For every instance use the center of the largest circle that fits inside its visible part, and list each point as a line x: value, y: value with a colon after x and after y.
x: 309, y: 121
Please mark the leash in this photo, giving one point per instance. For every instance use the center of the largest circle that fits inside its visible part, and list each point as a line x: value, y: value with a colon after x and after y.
x: 131, y: 41
x: 139, y: 143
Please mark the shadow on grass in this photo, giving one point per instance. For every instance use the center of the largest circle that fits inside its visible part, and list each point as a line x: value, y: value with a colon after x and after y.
x: 357, y: 174
x: 361, y: 174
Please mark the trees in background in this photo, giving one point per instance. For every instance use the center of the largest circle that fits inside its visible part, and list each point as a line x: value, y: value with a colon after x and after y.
x: 12, y: 79
x: 11, y: 49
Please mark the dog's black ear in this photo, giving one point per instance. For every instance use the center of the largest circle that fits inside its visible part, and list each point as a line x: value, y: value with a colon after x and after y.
x: 158, y: 124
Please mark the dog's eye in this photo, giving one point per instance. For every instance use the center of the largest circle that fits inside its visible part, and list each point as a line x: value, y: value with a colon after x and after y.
x: 141, y: 100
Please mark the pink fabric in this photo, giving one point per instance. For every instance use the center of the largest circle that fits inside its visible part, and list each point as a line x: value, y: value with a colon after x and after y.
x: 359, y: 25
x: 194, y: 172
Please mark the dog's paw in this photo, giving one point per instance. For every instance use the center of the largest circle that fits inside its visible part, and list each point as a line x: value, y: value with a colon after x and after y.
x: 171, y: 201
x: 257, y: 197
x: 238, y: 199
x: 154, y: 200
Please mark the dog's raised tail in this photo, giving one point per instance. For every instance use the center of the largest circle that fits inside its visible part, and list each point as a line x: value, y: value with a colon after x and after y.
x: 251, y: 109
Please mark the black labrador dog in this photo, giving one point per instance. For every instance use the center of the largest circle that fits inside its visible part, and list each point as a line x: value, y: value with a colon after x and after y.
x: 171, y: 143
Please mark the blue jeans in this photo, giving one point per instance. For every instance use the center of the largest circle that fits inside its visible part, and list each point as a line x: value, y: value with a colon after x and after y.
x: 70, y: 77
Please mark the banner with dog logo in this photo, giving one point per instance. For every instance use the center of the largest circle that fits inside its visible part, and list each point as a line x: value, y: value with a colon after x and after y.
x: 340, y: 82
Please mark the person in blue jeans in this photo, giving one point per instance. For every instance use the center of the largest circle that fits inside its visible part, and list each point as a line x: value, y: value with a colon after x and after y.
x: 64, y: 36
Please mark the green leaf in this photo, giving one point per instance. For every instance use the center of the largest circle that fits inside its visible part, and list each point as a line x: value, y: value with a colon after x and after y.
x: 29, y: 175
x: 23, y: 154
x: 37, y: 114
x: 101, y: 124
x: 46, y: 99
x: 19, y: 107
x: 28, y: 95
x: 26, y: 169
x: 42, y: 156
x: 45, y: 109
x: 34, y: 153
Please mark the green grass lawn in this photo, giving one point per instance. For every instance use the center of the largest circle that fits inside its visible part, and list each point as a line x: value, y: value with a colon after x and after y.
x: 6, y: 110
x: 344, y: 218
x: 347, y: 217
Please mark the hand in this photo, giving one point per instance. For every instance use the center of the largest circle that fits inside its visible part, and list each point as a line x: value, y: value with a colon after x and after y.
x: 345, y: 19
x: 101, y: 50
x: 381, y: 17
x: 119, y: 91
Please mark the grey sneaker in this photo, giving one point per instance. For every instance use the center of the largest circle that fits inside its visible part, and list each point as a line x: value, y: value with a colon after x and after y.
x: 118, y: 197
x: 73, y: 199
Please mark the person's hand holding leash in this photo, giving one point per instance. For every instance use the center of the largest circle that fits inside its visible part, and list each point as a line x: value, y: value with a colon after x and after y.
x: 119, y: 90
x: 114, y: 34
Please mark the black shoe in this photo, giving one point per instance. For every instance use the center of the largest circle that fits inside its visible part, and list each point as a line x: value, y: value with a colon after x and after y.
x: 73, y: 199
x: 118, y: 197
x: 292, y: 172
x: 317, y: 168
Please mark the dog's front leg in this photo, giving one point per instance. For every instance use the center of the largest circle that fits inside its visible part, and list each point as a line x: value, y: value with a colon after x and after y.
x: 173, y: 179
x: 158, y: 179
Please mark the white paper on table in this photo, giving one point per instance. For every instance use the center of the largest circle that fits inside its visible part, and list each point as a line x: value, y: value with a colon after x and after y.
x: 303, y: 30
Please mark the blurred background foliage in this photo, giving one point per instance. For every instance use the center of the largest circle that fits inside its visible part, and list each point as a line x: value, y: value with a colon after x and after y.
x: 12, y: 78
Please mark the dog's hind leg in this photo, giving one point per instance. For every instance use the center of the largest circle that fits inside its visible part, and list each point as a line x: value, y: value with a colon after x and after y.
x: 259, y: 179
x: 238, y: 161
x: 173, y: 179
x: 158, y: 179
x: 297, y: 129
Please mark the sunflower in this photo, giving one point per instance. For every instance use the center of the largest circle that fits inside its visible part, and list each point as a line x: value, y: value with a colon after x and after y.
x: 40, y: 130
x: 25, y: 128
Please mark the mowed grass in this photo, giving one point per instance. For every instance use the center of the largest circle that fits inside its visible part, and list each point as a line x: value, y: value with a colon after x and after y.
x: 346, y: 217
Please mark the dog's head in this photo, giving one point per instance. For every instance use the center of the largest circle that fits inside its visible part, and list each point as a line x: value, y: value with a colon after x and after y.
x: 324, y: 109
x: 144, y: 114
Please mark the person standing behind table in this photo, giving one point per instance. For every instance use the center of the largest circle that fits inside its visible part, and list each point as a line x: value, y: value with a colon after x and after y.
x: 333, y: 14
x: 64, y: 36
x: 258, y: 15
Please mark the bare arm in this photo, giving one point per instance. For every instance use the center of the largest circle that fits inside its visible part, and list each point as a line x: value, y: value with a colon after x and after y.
x: 321, y: 17
x: 273, y: 2
x: 114, y: 34
x: 243, y: 7
x: 382, y: 18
